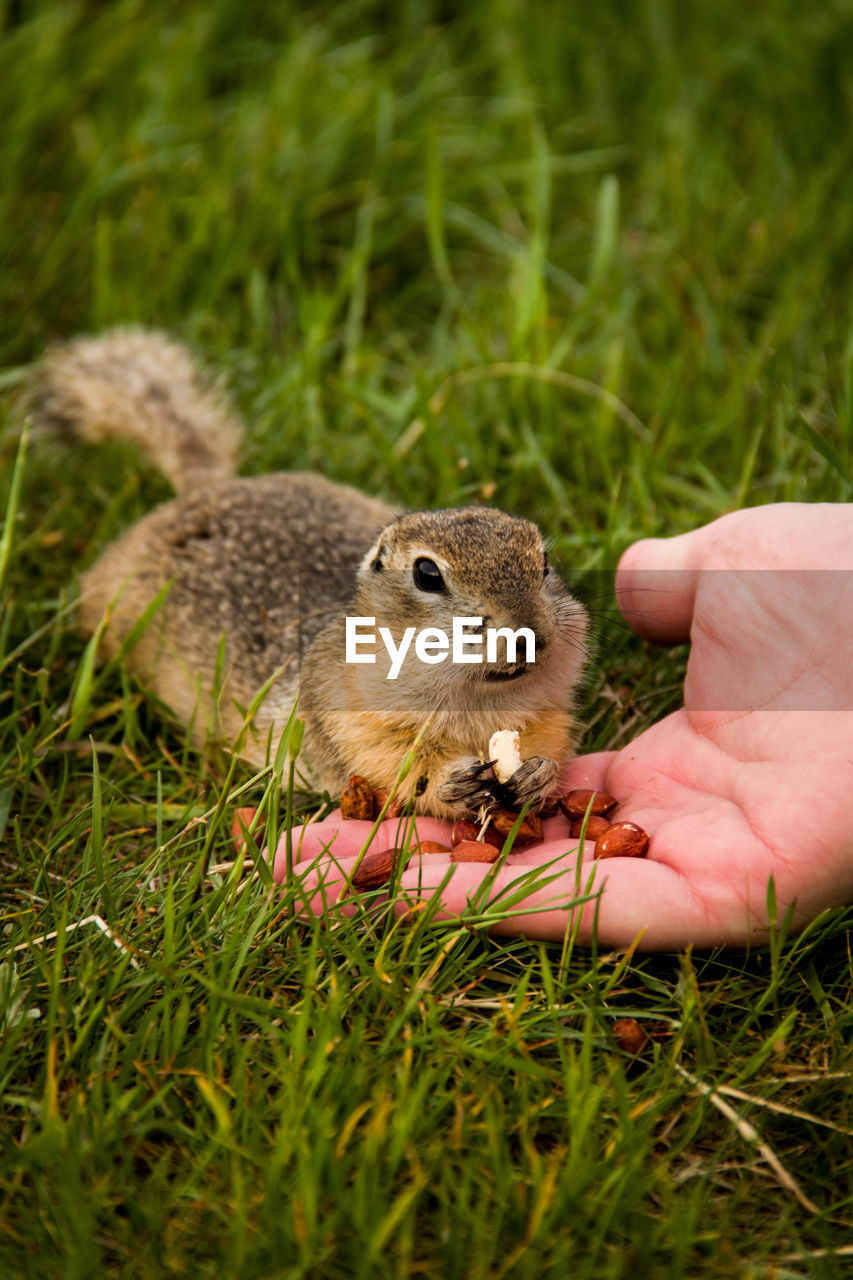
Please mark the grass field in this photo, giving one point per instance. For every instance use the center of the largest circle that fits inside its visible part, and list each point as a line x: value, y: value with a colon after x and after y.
x: 591, y: 262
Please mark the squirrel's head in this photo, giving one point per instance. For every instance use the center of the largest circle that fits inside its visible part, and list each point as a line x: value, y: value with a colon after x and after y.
x: 487, y: 617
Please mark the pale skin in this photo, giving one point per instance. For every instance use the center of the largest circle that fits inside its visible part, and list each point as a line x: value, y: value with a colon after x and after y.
x: 751, y: 779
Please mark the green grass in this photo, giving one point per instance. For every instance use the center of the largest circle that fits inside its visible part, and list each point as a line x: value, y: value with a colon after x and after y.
x: 345, y: 208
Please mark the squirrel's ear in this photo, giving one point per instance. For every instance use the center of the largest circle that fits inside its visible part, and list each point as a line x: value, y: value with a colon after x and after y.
x: 374, y: 559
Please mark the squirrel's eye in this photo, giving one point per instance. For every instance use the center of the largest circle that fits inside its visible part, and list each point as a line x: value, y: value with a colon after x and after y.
x: 427, y: 575
x: 546, y: 566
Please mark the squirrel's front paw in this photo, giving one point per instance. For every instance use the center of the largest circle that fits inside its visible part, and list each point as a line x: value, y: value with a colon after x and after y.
x: 466, y: 788
x: 531, y: 779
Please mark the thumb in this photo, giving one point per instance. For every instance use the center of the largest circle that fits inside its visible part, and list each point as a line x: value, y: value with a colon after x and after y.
x: 656, y: 585
x: 657, y: 578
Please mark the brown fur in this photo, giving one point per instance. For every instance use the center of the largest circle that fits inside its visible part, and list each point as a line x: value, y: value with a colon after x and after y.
x: 274, y: 564
x: 142, y: 386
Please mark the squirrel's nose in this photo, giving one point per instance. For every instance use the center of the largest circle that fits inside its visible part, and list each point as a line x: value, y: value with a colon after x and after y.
x: 542, y: 629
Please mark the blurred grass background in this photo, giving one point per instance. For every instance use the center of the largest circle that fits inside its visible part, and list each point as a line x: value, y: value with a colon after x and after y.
x: 590, y: 263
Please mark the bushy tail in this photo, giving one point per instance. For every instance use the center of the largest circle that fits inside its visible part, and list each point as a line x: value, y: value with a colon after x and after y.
x: 137, y: 384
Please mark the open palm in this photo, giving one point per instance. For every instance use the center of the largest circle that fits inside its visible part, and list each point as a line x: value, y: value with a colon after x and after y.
x: 751, y: 779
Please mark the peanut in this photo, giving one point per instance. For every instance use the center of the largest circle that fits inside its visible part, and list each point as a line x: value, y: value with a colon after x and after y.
x: 465, y: 829
x: 432, y: 846
x: 380, y: 795
x: 357, y: 799
x: 377, y: 869
x: 575, y: 803
x: 504, y: 751
x: 622, y: 840
x: 474, y: 851
x: 594, y: 828
x: 629, y: 1035
x: 503, y: 820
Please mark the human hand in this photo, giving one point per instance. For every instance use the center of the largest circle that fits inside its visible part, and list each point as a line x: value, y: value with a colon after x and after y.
x: 750, y: 779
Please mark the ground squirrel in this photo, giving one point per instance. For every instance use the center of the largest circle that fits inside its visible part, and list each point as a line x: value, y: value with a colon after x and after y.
x: 277, y: 563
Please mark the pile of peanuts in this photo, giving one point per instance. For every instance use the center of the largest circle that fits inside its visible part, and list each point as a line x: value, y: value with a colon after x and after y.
x: 585, y: 811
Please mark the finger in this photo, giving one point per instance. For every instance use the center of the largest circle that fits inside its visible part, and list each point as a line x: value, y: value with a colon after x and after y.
x: 632, y: 901
x: 459, y: 882
x: 327, y: 886
x: 657, y: 578
x: 655, y: 586
x: 345, y: 838
x: 587, y: 772
x: 558, y: 851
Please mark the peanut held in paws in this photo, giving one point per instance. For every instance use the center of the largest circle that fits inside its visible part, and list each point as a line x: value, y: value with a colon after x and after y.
x: 504, y: 750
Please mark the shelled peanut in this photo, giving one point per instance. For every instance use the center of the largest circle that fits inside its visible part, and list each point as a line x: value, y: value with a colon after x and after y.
x: 612, y: 839
x: 629, y: 1035
x: 376, y: 869
x: 586, y: 811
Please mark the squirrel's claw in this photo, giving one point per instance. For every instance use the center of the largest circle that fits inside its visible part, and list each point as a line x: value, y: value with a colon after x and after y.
x: 466, y: 787
x: 478, y: 769
x: 530, y: 779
